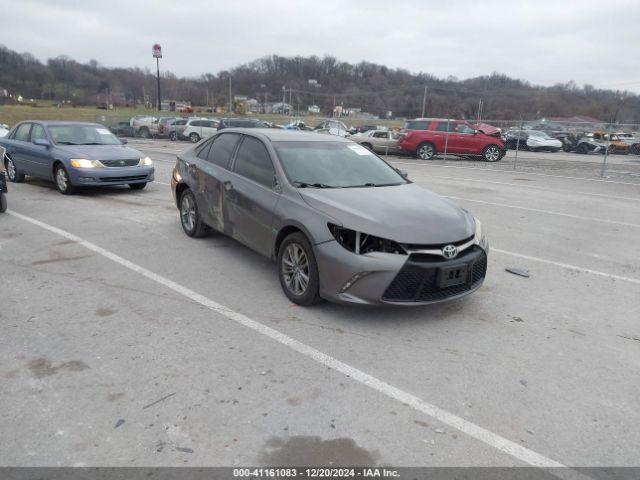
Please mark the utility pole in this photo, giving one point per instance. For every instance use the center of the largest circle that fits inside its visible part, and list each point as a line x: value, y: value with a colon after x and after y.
x: 158, y: 72
x: 480, y: 105
x: 230, y: 101
x: 424, y: 101
x: 284, y: 97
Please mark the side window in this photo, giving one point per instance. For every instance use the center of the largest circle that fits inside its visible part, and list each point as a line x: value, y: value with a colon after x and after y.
x: 203, y: 151
x: 196, y: 123
x: 253, y: 162
x: 442, y: 126
x: 222, y: 149
x: 463, y: 128
x: 22, y: 133
x: 37, y: 133
x: 380, y: 135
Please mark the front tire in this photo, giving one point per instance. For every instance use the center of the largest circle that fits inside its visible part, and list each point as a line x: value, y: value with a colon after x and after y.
x: 137, y: 186
x: 13, y: 174
x: 368, y: 146
x: 298, y: 270
x: 3, y: 203
x: 190, y: 219
x: 144, y: 133
x: 63, y: 183
x: 173, y: 136
x: 194, y: 137
x: 582, y: 149
x: 426, y: 151
x: 491, y: 153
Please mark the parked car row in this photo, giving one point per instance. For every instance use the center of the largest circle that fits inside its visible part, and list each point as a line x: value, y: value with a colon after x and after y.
x: 586, y: 142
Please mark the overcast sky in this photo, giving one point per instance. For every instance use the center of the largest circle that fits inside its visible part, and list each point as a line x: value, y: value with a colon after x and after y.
x: 544, y: 42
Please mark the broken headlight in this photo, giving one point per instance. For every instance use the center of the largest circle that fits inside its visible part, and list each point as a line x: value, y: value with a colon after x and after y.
x: 361, y: 243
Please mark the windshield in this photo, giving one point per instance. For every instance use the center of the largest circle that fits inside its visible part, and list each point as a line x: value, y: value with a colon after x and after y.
x: 82, y: 135
x: 334, y: 165
x: 539, y: 134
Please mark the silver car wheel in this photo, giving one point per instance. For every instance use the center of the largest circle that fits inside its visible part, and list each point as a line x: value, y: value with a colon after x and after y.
x: 61, y: 179
x: 425, y: 152
x: 492, y: 154
x: 188, y: 212
x: 295, y: 269
x: 11, y: 169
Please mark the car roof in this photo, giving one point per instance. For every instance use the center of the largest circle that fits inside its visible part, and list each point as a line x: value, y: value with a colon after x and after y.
x: 280, y: 135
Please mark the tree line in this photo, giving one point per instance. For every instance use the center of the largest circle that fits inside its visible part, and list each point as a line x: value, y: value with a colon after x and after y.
x: 370, y: 87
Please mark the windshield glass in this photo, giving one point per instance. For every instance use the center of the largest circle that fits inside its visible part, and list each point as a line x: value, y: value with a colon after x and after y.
x: 82, y: 135
x: 334, y: 165
x: 539, y: 134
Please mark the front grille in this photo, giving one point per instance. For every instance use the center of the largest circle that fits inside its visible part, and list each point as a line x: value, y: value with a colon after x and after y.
x: 417, y: 281
x: 130, y: 178
x: 438, y: 246
x: 120, y: 163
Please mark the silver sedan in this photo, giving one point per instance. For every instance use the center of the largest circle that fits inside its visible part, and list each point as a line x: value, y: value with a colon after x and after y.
x: 341, y: 223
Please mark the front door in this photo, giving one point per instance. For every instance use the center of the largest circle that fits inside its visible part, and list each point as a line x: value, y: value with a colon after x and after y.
x: 250, y: 196
x: 38, y: 155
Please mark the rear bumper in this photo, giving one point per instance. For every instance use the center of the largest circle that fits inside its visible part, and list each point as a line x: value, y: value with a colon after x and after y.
x: 110, y: 176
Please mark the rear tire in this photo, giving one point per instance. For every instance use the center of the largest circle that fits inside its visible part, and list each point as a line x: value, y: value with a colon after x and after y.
x: 144, y: 133
x: 137, y: 186
x: 194, y: 137
x: 425, y: 151
x: 61, y: 177
x: 173, y: 136
x: 298, y: 270
x: 13, y: 174
x: 190, y: 219
x: 582, y: 149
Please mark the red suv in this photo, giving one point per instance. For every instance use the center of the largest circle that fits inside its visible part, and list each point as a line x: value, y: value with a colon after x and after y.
x: 425, y: 137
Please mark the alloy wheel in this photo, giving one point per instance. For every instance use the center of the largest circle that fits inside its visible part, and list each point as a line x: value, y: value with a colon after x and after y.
x: 188, y: 212
x: 61, y: 179
x: 11, y: 168
x: 425, y: 152
x: 295, y: 269
x: 492, y: 154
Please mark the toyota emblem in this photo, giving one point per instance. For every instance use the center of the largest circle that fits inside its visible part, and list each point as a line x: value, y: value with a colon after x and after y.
x: 450, y: 251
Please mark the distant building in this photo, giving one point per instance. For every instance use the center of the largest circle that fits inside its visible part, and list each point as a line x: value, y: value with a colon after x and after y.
x: 279, y: 108
x: 313, y: 109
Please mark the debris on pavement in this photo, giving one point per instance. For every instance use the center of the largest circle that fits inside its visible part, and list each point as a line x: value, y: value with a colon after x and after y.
x: 518, y: 271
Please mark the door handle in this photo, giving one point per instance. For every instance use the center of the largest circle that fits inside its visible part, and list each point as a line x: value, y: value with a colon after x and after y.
x: 228, y: 185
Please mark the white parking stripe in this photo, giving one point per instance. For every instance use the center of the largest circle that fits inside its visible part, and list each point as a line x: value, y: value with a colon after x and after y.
x: 567, y: 266
x: 535, y: 187
x: 475, y: 431
x: 519, y: 172
x: 547, y: 212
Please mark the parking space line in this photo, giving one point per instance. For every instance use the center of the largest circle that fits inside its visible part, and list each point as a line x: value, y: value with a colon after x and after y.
x: 548, y: 212
x: 477, y: 432
x: 519, y: 172
x: 567, y: 266
x: 535, y: 187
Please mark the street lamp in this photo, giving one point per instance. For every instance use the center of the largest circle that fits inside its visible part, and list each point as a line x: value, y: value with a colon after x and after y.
x: 157, y: 54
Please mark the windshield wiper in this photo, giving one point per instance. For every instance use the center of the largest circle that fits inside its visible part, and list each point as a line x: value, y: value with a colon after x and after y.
x: 91, y: 143
x: 313, y: 185
x: 67, y: 143
x: 371, y: 184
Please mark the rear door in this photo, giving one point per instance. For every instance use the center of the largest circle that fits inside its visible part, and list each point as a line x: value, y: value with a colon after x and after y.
x: 250, y: 196
x: 445, y: 137
x: 212, y: 167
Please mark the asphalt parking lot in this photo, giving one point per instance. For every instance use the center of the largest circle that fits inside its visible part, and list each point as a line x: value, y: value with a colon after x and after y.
x: 126, y: 343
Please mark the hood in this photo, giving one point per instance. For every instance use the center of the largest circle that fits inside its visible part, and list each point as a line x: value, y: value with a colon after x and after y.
x: 101, y: 152
x: 404, y: 213
x: 487, y: 129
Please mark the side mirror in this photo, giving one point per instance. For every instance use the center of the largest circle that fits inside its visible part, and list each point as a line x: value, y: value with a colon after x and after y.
x: 124, y: 141
x: 42, y: 142
x: 475, y: 132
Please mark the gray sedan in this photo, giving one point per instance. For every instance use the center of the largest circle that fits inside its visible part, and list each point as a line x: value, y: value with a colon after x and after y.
x: 73, y: 155
x: 342, y: 224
